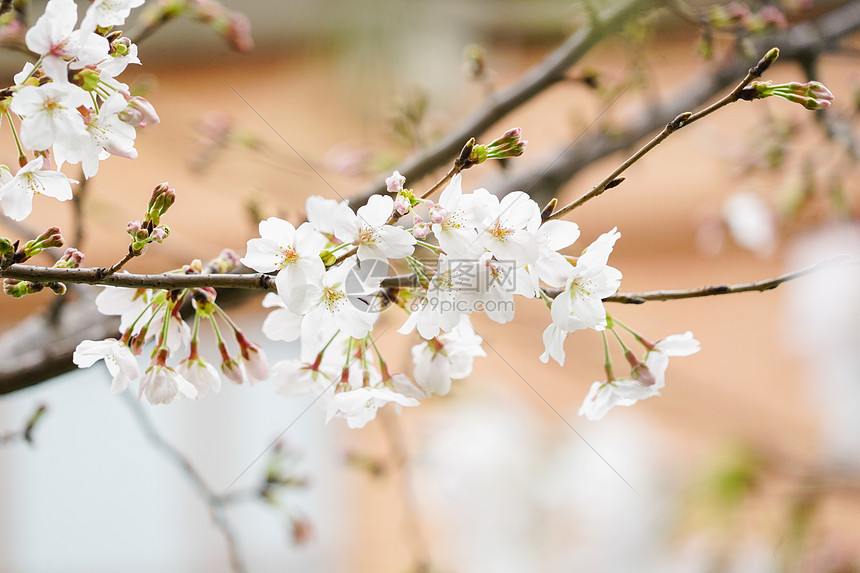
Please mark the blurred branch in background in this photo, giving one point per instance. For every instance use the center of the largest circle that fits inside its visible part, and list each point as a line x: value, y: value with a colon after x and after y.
x: 277, y: 478
x: 26, y: 433
x: 214, y: 502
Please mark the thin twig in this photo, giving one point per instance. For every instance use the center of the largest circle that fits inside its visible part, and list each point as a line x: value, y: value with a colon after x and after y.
x: 214, y: 502
x: 680, y: 121
x: 120, y: 263
x: 25, y: 433
x: 760, y: 286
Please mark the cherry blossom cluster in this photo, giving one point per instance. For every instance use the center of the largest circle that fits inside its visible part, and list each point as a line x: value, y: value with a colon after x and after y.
x: 156, y: 315
x: 70, y: 106
x: 439, y: 260
x: 464, y: 253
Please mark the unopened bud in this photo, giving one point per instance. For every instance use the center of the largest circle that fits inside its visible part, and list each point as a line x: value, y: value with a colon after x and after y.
x: 18, y: 289
x: 139, y: 113
x: 508, y: 145
x: 421, y: 229
x: 156, y: 193
x: 256, y: 365
x: 639, y: 372
x: 438, y: 213
x: 401, y: 204
x: 547, y: 211
x: 772, y: 17
x: 58, y: 288
x: 50, y: 238
x: 478, y: 155
x: 226, y: 261
x: 238, y: 32
x: 7, y: 247
x: 234, y: 371
x: 159, y: 233
x: 394, y: 183
x: 811, y: 95
x: 767, y: 61
x: 71, y: 259
x: 328, y: 258
x: 120, y: 46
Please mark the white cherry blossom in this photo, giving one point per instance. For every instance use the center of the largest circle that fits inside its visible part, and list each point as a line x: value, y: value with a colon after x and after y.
x: 603, y: 396
x: 580, y: 304
x: 552, y: 267
x: 127, y: 303
x: 119, y: 359
x: 281, y: 323
x: 201, y: 374
x: 17, y: 193
x: 657, y: 359
x: 448, y: 357
x: 162, y: 384
x: 506, y: 228
x: 108, y: 13
x: 105, y: 135
x: 320, y: 213
x: 455, y: 231
x: 49, y: 114
x: 54, y: 37
x: 293, y: 253
x: 359, y: 406
x: 327, y: 302
x: 367, y: 228
x: 295, y: 378
x: 450, y: 294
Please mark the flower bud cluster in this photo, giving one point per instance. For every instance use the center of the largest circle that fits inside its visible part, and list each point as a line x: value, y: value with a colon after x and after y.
x: 813, y: 95
x: 150, y: 229
x: 155, y: 315
x: 71, y: 107
x: 507, y: 146
x: 10, y: 254
x: 51, y: 238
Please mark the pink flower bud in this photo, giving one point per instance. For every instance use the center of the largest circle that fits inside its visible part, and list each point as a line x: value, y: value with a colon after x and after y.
x: 438, y: 213
x: 159, y: 233
x: 71, y: 259
x: 137, y: 113
x: 401, y: 205
x: 234, y: 371
x: 421, y: 230
x: 238, y: 33
x: 395, y: 182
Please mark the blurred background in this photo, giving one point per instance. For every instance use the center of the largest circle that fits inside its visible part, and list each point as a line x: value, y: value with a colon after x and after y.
x: 749, y: 461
